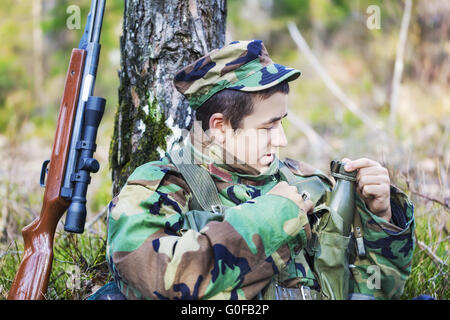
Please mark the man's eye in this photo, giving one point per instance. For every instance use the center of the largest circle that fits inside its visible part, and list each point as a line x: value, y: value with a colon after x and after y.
x: 274, y: 126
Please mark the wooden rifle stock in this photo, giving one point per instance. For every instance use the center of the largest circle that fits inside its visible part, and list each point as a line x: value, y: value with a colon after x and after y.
x: 32, y: 277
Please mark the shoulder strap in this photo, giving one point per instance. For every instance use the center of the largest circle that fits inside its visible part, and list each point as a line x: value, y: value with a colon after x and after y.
x: 311, y: 187
x: 286, y: 174
x: 199, y: 180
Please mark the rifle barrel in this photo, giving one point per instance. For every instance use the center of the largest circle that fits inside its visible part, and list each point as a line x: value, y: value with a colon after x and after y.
x: 93, y: 14
x: 98, y: 21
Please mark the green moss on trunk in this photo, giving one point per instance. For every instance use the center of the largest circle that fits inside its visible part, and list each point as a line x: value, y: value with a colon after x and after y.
x: 124, y: 158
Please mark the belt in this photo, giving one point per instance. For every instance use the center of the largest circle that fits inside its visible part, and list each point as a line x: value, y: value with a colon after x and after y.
x: 300, y: 293
x: 277, y: 292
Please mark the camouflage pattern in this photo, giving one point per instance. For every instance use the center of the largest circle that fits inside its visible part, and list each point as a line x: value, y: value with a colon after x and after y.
x: 389, y: 246
x: 260, y: 241
x: 240, y: 65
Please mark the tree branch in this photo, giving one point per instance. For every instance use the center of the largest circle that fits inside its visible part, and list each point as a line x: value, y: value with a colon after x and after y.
x: 313, y: 137
x: 398, y: 68
x: 328, y: 81
x: 422, y: 246
x: 97, y: 217
x: 442, y: 203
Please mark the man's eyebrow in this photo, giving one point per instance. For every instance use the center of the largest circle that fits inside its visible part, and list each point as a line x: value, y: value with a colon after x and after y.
x: 274, y: 119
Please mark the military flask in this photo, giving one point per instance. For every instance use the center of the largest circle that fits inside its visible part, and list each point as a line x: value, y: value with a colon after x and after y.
x: 342, y: 199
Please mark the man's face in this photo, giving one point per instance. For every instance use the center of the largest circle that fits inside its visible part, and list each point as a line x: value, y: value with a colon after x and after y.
x: 261, y: 133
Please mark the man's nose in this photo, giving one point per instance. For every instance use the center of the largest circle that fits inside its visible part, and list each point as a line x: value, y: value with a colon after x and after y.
x: 279, y: 137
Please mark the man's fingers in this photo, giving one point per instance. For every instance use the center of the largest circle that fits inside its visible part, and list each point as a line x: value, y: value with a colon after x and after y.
x: 373, y: 179
x: 372, y: 171
x: 361, y: 163
x: 372, y: 183
x: 374, y: 191
x: 346, y: 160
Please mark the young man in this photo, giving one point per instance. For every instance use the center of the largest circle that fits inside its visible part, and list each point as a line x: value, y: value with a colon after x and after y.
x: 264, y: 244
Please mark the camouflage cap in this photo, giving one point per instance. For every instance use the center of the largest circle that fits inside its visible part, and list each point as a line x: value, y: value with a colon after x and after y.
x: 240, y: 65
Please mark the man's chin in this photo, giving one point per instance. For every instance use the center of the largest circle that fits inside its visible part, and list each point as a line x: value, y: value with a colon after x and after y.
x: 267, y: 160
x: 264, y: 167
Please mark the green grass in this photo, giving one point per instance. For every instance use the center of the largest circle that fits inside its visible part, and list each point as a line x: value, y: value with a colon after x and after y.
x: 79, y: 266
x: 429, y: 275
x: 426, y: 277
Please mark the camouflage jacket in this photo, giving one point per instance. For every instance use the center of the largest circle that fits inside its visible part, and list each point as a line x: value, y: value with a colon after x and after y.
x: 259, y: 240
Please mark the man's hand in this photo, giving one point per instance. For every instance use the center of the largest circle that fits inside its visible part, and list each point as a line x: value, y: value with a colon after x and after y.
x: 285, y: 190
x: 372, y: 185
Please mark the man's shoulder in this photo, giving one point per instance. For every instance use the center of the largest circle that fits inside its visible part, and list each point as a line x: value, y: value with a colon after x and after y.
x: 304, y: 169
x: 153, y: 170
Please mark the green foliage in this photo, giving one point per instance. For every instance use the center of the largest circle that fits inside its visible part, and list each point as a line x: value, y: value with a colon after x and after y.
x: 297, y: 10
x: 15, y: 99
x: 102, y: 195
x: 9, y: 262
x: 19, y: 101
x: 154, y: 136
x: 79, y: 265
x: 429, y: 276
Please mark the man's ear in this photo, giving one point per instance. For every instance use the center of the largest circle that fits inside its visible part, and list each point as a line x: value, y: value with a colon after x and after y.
x: 217, y: 126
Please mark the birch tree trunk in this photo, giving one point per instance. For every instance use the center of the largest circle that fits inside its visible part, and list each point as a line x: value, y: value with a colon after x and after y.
x: 159, y: 38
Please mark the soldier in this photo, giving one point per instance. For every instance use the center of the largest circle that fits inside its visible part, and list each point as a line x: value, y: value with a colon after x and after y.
x: 261, y: 240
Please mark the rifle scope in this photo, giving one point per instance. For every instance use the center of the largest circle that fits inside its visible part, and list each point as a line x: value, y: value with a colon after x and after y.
x: 76, y: 214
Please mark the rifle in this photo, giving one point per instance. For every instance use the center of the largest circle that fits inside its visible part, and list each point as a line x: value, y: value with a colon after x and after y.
x: 70, y: 165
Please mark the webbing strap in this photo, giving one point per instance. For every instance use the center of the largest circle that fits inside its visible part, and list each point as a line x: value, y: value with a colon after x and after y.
x: 286, y: 174
x: 203, y: 188
x: 289, y: 177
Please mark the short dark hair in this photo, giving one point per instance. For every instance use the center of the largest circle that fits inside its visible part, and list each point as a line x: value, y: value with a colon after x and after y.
x: 235, y: 105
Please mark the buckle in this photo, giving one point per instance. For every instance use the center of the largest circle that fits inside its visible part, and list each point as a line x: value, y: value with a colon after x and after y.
x: 217, y: 209
x: 306, y: 293
x: 306, y: 195
x: 360, y: 243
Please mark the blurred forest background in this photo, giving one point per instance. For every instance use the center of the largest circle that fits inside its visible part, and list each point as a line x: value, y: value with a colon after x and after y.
x: 346, y: 103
